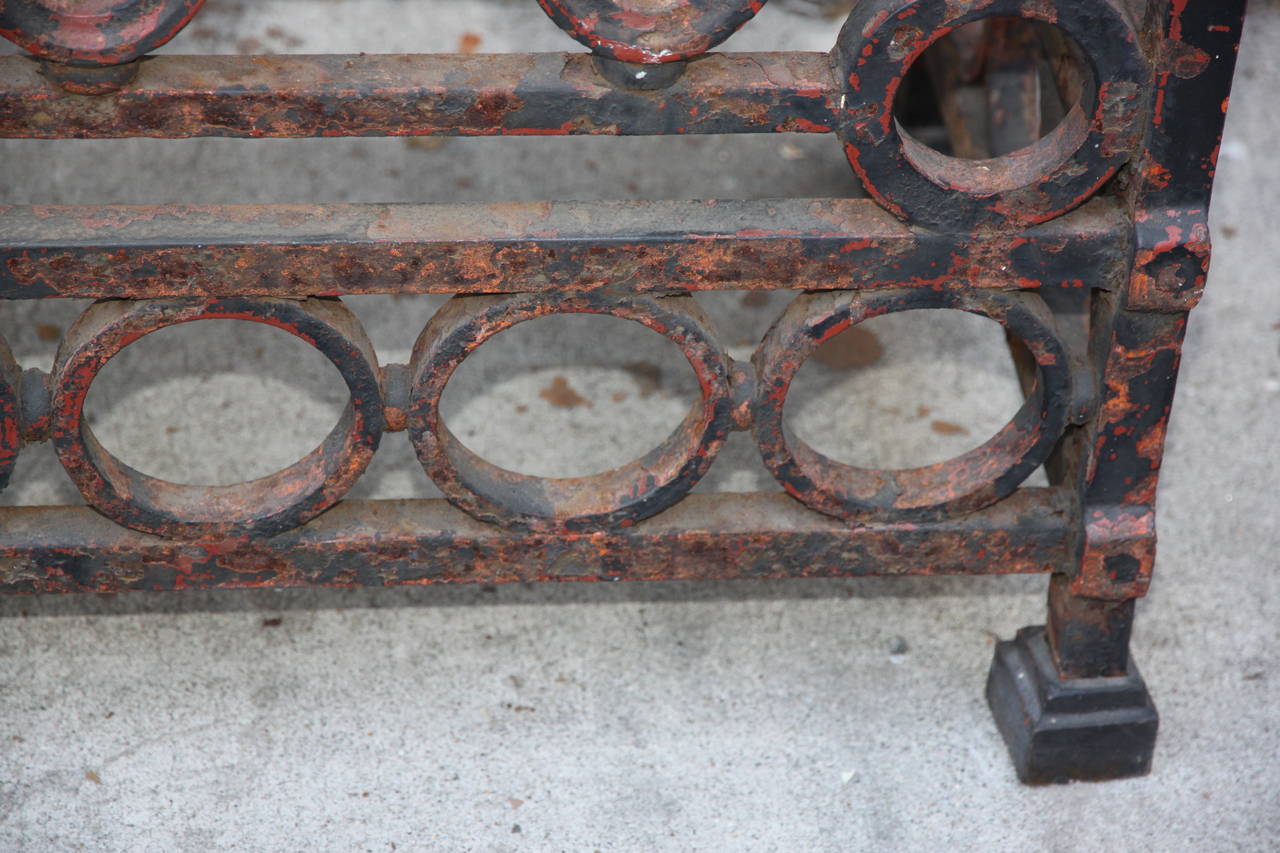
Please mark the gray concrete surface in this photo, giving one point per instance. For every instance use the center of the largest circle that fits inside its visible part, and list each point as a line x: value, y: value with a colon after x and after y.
x: 749, y: 716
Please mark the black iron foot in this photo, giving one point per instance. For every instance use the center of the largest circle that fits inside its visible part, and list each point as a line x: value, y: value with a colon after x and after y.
x: 1085, y: 729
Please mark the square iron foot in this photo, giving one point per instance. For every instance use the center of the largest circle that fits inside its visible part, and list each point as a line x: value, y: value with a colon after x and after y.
x: 1086, y: 729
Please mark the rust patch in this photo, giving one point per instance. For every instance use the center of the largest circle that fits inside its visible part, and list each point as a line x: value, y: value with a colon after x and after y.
x: 1184, y: 60
x: 942, y: 427
x: 561, y: 394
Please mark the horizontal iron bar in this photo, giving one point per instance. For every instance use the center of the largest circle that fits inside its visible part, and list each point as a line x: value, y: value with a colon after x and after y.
x: 641, y: 246
x: 395, y: 542
x: 417, y: 95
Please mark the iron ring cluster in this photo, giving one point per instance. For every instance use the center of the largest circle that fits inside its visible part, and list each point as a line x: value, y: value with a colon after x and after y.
x: 961, y: 484
x: 616, y: 498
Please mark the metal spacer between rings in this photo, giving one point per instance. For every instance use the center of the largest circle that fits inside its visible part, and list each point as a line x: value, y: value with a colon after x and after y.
x: 932, y: 492
x: 639, y: 77
x: 616, y: 498
x: 880, y: 41
x: 261, y: 507
x: 90, y: 79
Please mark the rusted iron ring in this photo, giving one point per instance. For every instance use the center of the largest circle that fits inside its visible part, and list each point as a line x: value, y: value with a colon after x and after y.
x: 93, y: 32
x: 962, y: 484
x: 619, y: 497
x: 650, y: 31
x: 10, y: 413
x: 882, y: 38
x: 262, y: 507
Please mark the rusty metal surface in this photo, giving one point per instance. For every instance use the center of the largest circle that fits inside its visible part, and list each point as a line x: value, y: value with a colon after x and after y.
x: 975, y: 479
x: 416, y: 95
x: 260, y: 507
x: 93, y: 32
x: 1017, y: 111
x: 393, y: 542
x: 883, y: 38
x: 1169, y: 201
x: 298, y: 250
x: 645, y: 32
x: 396, y: 397
x: 1068, y: 201
x: 1089, y: 636
x: 619, y: 497
x: 1079, y: 221
x: 10, y: 413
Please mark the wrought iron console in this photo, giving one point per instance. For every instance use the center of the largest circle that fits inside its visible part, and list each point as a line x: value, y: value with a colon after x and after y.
x: 1088, y: 243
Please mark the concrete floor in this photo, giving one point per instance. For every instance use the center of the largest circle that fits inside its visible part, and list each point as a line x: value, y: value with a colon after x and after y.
x: 791, y: 716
